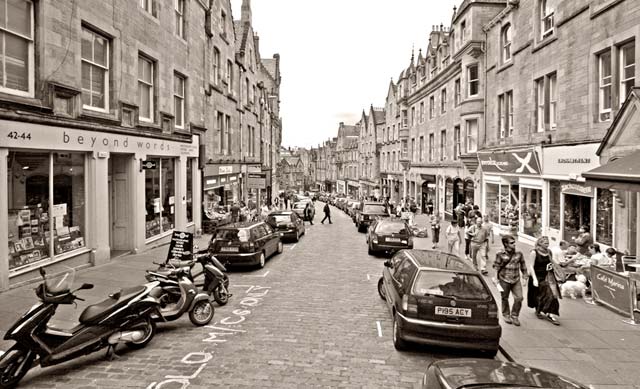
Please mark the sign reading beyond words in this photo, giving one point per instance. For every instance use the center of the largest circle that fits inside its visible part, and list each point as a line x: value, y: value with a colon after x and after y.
x: 181, y: 246
x: 611, y: 289
x: 515, y: 162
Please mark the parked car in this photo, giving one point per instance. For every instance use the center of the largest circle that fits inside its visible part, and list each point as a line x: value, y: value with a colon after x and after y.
x: 288, y: 223
x: 389, y: 235
x: 299, y: 209
x: 245, y: 243
x: 437, y: 298
x: 491, y: 373
x: 368, y: 212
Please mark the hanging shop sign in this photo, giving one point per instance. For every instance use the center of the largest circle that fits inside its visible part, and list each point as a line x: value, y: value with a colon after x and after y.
x: 513, y: 162
x: 577, y: 189
x: 256, y: 180
x: 149, y: 164
x: 570, y: 160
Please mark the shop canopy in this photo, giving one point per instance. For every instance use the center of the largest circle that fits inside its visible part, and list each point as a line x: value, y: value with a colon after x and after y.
x: 622, y: 174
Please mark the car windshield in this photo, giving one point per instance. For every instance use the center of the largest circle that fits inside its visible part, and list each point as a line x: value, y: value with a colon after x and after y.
x: 234, y: 235
x: 391, y: 228
x: 374, y: 208
x: 450, y: 284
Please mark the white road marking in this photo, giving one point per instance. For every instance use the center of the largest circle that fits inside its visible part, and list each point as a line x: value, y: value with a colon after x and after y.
x: 368, y: 278
x: 293, y: 247
x: 379, y: 329
x: 258, y: 275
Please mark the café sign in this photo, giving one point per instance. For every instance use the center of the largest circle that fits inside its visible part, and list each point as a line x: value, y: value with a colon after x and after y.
x: 611, y: 289
x: 524, y: 162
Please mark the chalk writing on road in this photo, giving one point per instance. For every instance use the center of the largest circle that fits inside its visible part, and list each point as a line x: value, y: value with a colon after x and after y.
x: 220, y: 332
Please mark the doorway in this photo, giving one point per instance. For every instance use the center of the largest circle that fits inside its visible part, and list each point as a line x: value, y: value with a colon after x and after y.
x: 577, y: 212
x: 120, y: 212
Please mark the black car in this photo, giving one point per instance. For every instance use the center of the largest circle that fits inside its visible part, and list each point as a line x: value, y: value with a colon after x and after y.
x: 389, y: 235
x: 491, y: 373
x: 288, y: 223
x: 368, y: 212
x: 245, y: 243
x: 437, y: 298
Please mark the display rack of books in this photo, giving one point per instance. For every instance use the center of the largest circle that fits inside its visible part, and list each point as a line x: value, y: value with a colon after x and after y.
x: 28, y: 236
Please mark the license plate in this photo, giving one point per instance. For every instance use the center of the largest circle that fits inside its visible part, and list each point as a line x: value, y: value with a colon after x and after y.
x: 452, y: 311
x: 229, y: 249
x: 392, y: 239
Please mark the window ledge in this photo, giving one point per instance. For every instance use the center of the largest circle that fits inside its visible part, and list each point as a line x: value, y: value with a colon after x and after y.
x: 232, y: 97
x: 100, y: 116
x: 29, y: 103
x: 149, y: 15
x: 545, y: 42
x: 505, y: 66
x: 216, y: 88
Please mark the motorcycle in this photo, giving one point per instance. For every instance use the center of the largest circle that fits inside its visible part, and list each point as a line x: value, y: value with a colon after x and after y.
x: 215, y: 282
x: 124, y: 317
x: 177, y: 294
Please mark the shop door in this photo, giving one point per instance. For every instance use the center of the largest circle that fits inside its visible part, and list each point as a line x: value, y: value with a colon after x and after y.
x: 119, y: 212
x: 577, y: 212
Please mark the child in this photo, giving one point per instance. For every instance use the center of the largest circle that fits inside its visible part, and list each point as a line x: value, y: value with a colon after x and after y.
x: 453, y: 237
x: 435, y: 230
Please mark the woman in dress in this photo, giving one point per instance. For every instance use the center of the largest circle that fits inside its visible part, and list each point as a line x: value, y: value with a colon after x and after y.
x: 542, y: 291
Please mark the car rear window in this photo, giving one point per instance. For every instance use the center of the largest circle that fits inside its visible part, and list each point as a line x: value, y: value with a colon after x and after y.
x: 391, y: 228
x: 234, y: 235
x: 280, y: 218
x: 374, y: 208
x: 450, y: 284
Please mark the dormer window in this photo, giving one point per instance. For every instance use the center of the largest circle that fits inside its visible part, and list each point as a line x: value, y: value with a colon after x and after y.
x: 546, y: 19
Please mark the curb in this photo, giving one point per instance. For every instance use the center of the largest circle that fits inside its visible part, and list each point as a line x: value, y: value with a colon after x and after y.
x: 503, y: 355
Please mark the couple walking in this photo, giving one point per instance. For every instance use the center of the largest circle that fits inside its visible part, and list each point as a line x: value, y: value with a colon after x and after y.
x: 542, y: 289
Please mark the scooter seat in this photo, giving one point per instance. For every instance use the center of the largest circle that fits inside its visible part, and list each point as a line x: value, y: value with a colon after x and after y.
x: 179, y: 263
x: 96, y: 312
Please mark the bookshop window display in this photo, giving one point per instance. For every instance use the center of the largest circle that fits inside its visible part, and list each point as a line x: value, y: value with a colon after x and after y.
x: 37, y: 224
x: 160, y: 197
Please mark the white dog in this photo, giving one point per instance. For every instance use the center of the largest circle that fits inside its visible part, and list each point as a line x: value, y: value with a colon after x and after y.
x: 574, y: 288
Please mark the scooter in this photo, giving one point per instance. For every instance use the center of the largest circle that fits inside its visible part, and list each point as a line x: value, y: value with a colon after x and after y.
x: 215, y: 282
x: 124, y: 317
x: 177, y: 294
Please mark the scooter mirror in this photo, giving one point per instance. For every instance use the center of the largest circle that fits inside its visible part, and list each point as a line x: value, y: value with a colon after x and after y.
x: 42, y: 272
x: 86, y: 286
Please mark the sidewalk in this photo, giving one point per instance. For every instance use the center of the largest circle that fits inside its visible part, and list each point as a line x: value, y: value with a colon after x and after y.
x: 121, y: 272
x: 591, y: 345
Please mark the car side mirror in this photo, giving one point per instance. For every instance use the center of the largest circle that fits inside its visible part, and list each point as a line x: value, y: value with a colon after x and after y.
x: 388, y: 264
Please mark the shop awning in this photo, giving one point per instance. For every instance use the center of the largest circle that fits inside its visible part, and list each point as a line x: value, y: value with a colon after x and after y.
x: 622, y: 174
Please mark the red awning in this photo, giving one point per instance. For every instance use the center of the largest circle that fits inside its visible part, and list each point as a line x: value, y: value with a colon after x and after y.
x: 622, y: 174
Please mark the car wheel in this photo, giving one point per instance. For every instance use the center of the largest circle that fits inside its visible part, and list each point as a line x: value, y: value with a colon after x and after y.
x: 398, y: 342
x: 298, y: 233
x: 280, y: 247
x: 261, y: 260
x: 370, y: 250
x: 381, y: 290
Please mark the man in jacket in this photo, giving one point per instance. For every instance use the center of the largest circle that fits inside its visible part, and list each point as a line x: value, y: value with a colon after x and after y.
x: 479, y: 245
x: 308, y: 213
x: 327, y: 214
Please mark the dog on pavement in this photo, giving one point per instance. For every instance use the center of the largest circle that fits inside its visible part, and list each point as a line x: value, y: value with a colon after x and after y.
x: 575, y: 288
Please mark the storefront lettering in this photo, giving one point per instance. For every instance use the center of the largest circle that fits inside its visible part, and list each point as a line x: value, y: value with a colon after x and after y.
x: 576, y: 188
x: 225, y: 170
x: 114, y: 142
x: 574, y: 160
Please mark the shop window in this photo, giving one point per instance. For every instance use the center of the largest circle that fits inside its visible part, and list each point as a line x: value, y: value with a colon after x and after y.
x: 577, y: 212
x: 492, y: 204
x: 469, y: 191
x: 190, y: 163
x: 160, y: 197
x: 17, y: 54
x: 604, y: 217
x: 38, y: 225
x: 555, y: 191
x: 448, y: 195
x: 531, y: 211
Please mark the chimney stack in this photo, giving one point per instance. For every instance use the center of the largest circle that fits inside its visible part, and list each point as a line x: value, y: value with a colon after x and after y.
x: 246, y: 11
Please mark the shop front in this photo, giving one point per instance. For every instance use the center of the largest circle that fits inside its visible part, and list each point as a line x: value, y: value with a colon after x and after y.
x: 571, y: 203
x: 513, y: 192
x: 428, y: 193
x: 221, y: 187
x: 81, y: 197
x: 341, y: 187
x: 352, y: 188
x: 457, y: 190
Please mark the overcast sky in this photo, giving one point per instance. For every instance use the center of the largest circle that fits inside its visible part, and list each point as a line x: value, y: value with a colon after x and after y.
x: 338, y: 56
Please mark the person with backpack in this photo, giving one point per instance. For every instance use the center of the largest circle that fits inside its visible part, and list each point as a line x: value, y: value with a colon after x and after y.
x: 327, y: 214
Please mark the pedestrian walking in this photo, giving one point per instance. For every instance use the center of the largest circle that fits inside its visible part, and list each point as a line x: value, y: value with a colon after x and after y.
x: 276, y: 202
x: 435, y: 230
x: 543, y: 292
x: 453, y: 237
x: 430, y: 207
x: 460, y: 216
x: 467, y: 240
x: 308, y: 213
x: 235, y: 212
x: 478, y: 246
x: 327, y: 214
x: 486, y: 224
x: 509, y: 264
